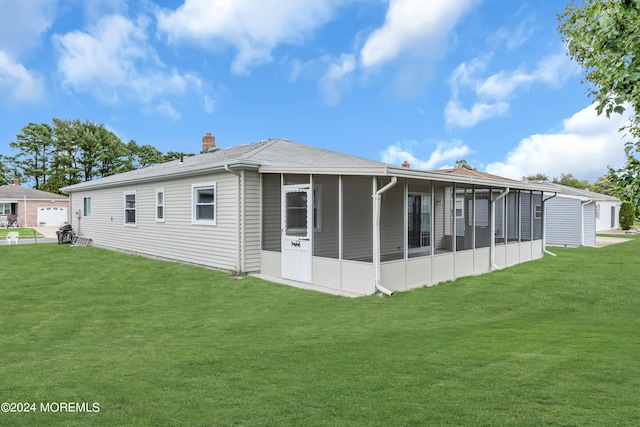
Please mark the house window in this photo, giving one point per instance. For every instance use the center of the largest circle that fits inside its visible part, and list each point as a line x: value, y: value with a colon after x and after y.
x: 5, y: 208
x: 459, y: 208
x: 204, y: 203
x: 130, y: 208
x: 86, y: 206
x: 159, y: 204
x: 537, y: 212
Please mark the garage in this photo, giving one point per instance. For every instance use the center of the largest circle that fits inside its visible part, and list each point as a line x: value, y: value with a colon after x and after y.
x: 52, y: 215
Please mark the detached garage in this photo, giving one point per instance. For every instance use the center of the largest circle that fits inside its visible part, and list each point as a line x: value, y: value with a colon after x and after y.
x: 32, y: 208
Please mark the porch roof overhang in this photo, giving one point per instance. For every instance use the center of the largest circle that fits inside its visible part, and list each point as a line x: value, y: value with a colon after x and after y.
x: 399, y: 172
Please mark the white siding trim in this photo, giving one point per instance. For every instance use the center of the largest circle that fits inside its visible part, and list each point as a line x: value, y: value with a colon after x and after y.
x: 194, y: 188
x: 158, y: 205
x: 135, y: 208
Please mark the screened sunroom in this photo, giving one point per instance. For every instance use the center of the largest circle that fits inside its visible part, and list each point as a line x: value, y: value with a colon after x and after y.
x: 363, y: 233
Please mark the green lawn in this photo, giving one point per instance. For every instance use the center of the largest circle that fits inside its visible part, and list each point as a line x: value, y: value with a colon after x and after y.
x: 549, y: 342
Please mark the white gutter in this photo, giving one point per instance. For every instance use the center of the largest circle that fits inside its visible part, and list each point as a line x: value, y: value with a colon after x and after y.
x: 544, y: 224
x: 582, y: 205
x: 493, y: 228
x: 376, y: 234
x: 239, y: 217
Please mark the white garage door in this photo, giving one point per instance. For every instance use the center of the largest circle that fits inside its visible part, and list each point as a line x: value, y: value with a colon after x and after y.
x: 52, y: 215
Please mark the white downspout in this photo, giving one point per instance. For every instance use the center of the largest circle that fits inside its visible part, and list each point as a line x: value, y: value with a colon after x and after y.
x: 493, y: 227
x: 239, y: 216
x: 582, y: 205
x: 544, y: 224
x: 376, y: 235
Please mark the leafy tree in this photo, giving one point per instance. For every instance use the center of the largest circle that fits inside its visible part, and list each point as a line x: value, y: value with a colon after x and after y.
x: 571, y: 181
x: 464, y: 164
x: 4, y: 171
x: 34, y: 147
x: 603, y: 185
x: 67, y: 143
x: 536, y: 177
x: 603, y: 36
x: 626, y: 180
x: 627, y: 215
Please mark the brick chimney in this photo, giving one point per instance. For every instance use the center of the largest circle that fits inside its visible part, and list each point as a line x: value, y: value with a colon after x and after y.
x: 406, y: 164
x: 209, y: 143
x: 16, y: 182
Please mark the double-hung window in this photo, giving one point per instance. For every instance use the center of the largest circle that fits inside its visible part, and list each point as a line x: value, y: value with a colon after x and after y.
x: 537, y: 211
x: 204, y: 203
x: 130, y: 209
x: 86, y: 206
x: 159, y: 204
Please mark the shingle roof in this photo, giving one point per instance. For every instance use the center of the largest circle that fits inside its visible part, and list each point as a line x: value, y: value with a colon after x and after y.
x: 270, y: 152
x: 17, y: 192
x: 571, y: 191
x: 470, y: 172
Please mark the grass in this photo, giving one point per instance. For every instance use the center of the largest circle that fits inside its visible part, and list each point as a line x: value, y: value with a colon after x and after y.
x: 24, y: 232
x: 549, y: 342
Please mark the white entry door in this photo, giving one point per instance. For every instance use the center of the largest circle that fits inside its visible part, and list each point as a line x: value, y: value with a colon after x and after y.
x: 297, y: 227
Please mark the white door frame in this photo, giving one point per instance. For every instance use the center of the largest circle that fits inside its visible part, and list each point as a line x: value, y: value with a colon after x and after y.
x: 297, y: 240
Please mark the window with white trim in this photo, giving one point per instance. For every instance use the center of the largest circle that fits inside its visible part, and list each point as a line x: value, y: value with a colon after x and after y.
x: 459, y: 207
x: 537, y: 211
x: 130, y: 208
x: 203, y: 201
x: 5, y: 208
x: 86, y: 204
x: 159, y: 204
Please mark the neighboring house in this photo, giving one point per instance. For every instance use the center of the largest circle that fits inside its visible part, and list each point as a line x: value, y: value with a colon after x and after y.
x: 574, y: 216
x: 32, y: 208
x: 291, y: 211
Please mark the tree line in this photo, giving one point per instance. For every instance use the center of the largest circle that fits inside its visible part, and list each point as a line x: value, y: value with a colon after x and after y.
x: 68, y: 152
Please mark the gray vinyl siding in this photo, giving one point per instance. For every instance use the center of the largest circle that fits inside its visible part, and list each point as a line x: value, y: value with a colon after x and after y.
x: 271, y: 212
x: 326, y: 239
x: 357, y: 239
x: 589, y: 224
x: 253, y: 217
x: 176, y: 238
x: 564, y: 219
x: 391, y: 221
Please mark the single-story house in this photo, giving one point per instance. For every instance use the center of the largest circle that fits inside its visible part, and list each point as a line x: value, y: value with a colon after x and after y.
x: 574, y: 216
x: 28, y: 207
x: 310, y: 215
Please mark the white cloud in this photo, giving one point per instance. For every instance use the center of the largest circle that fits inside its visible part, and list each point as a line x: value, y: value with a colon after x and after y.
x: 22, y: 23
x: 165, y: 108
x: 409, y: 25
x: 456, y: 115
x: 113, y: 61
x: 493, y: 92
x: 584, y: 147
x: 444, y: 151
x: 18, y: 84
x: 335, y: 79
x: 254, y: 28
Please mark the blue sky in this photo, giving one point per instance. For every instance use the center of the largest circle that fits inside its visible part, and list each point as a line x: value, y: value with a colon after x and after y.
x: 426, y: 81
